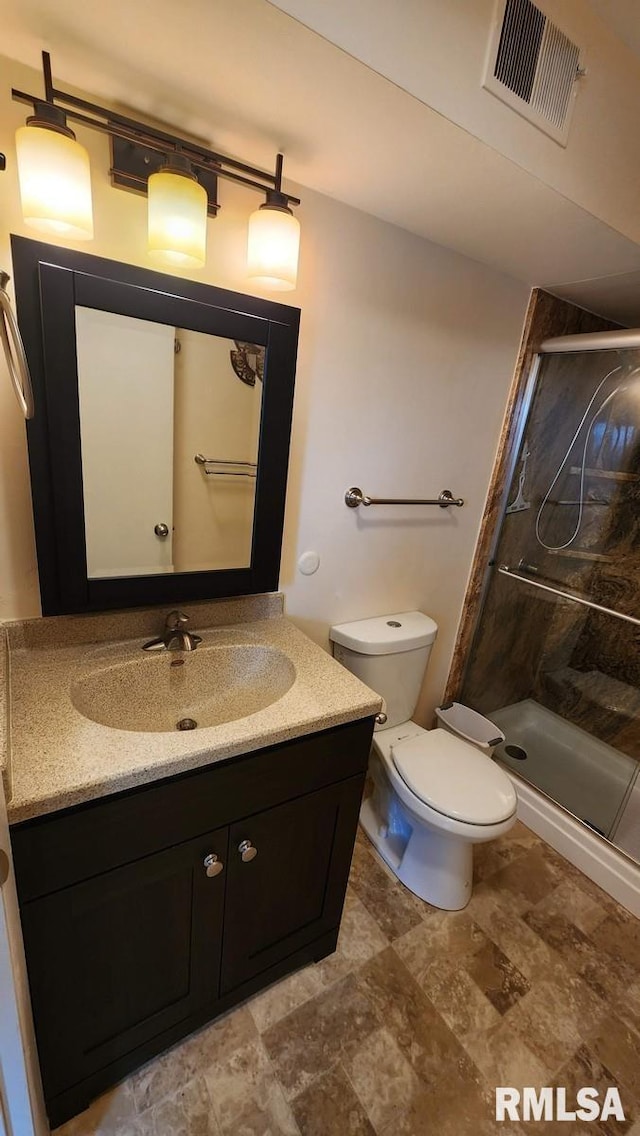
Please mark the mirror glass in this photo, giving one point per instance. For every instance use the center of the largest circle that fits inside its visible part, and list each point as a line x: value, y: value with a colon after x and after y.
x: 169, y: 427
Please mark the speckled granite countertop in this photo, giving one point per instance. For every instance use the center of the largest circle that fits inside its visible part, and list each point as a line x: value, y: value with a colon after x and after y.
x: 58, y: 757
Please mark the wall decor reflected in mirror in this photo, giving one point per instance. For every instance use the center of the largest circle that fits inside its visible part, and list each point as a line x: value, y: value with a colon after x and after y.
x: 156, y: 474
x: 248, y: 362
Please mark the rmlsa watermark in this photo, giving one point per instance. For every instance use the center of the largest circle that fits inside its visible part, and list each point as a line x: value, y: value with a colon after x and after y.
x: 551, y: 1104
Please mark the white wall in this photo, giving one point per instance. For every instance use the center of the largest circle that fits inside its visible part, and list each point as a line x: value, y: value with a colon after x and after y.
x: 217, y: 415
x: 436, y: 51
x: 406, y: 355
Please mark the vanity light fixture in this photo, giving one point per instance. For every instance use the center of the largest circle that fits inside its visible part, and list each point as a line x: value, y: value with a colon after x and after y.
x: 177, y: 214
x: 54, y: 175
x: 274, y: 240
x: 180, y: 178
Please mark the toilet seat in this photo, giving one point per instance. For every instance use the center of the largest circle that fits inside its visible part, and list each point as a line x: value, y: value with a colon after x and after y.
x: 454, y: 778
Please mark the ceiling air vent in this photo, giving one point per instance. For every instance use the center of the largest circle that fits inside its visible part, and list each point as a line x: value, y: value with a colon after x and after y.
x: 533, y: 67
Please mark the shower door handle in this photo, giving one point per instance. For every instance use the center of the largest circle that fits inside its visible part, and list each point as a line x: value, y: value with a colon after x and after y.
x: 505, y: 570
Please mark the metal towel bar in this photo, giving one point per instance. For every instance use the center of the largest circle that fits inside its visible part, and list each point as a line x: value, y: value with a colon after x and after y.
x: 14, y: 351
x: 355, y: 497
x: 240, y: 468
x: 505, y: 570
x: 229, y: 473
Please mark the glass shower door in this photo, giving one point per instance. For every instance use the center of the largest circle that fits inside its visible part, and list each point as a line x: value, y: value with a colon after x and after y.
x: 556, y: 656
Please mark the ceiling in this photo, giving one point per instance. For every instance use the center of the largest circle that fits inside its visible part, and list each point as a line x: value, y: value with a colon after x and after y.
x: 250, y: 79
x: 623, y: 17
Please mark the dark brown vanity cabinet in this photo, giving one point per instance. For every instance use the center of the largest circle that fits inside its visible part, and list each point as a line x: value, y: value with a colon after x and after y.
x: 148, y: 913
x: 287, y: 897
x: 122, y: 957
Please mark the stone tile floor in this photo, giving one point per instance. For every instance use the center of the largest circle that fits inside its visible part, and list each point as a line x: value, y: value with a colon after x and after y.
x: 407, y: 1029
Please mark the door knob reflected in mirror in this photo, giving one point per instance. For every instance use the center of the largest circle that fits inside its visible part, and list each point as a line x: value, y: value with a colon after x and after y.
x: 247, y: 851
x: 161, y: 530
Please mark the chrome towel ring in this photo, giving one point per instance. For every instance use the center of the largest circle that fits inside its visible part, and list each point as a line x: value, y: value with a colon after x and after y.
x: 14, y: 351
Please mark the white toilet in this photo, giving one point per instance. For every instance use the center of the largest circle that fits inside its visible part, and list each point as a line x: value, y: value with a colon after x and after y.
x: 434, y: 794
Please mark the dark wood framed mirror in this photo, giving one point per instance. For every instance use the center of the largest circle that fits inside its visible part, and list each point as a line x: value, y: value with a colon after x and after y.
x: 160, y: 442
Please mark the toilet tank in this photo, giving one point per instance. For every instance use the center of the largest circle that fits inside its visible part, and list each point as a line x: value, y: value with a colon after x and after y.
x: 390, y: 654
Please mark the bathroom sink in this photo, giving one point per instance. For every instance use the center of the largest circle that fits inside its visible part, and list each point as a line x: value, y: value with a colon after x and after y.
x: 175, y: 691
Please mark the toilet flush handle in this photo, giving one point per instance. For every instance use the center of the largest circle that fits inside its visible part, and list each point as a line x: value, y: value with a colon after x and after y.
x: 381, y: 718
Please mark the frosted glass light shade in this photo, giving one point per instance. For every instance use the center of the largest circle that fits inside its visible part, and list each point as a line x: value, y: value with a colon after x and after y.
x: 177, y: 219
x: 55, y: 182
x: 272, y: 248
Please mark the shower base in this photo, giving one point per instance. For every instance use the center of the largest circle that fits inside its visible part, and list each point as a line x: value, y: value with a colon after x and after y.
x: 584, y: 775
x: 572, y: 790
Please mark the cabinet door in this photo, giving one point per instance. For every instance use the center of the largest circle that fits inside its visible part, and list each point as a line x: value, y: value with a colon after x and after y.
x: 291, y: 892
x: 122, y: 957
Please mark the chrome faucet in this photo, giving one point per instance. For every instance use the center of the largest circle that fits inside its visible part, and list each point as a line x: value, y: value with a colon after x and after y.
x: 175, y: 637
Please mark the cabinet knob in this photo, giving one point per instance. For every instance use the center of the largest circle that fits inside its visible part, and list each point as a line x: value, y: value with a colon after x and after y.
x: 213, y: 865
x: 247, y: 851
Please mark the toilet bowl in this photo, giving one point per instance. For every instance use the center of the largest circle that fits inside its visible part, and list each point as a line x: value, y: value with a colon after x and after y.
x: 433, y: 794
x: 448, y: 798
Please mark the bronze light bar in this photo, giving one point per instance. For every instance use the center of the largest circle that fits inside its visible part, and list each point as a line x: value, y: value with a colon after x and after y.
x: 139, y: 150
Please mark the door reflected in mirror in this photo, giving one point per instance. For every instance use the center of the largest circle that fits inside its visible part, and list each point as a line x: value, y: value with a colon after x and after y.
x: 169, y: 428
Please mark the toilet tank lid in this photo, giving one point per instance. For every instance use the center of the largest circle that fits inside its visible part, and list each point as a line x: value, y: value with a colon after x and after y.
x: 386, y: 634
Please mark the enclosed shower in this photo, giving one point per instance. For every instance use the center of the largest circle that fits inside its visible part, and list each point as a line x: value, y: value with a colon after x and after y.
x: 555, y: 661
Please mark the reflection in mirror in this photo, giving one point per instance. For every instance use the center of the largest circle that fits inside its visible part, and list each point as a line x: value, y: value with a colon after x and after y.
x: 152, y: 398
